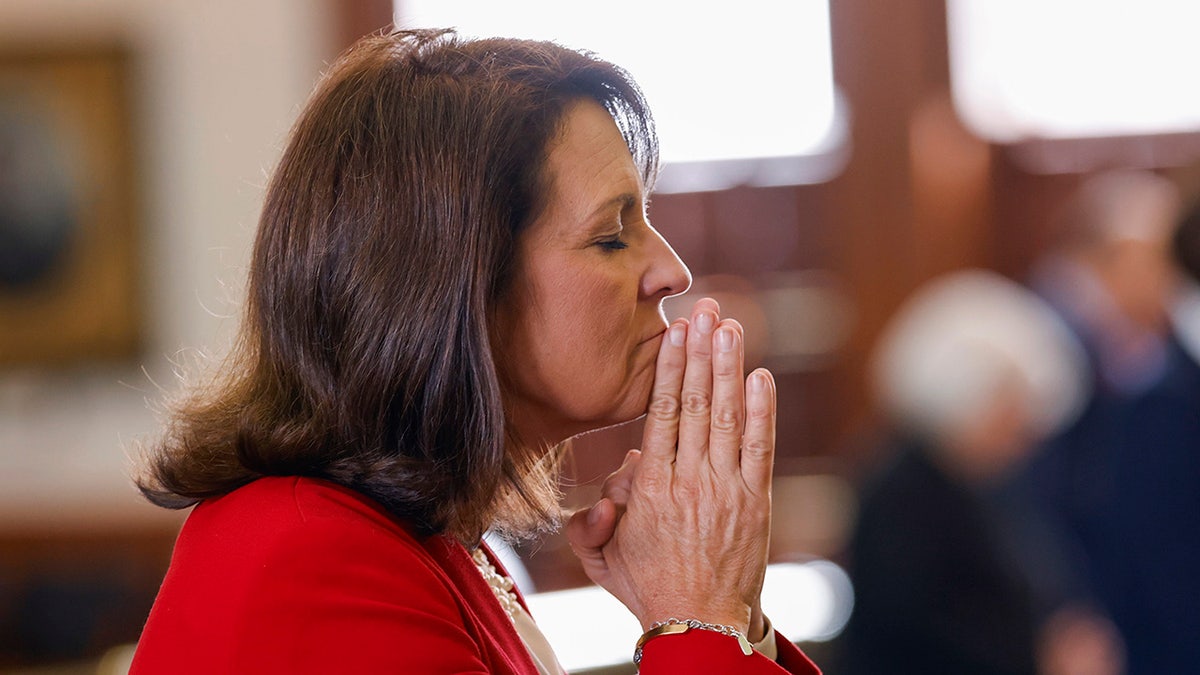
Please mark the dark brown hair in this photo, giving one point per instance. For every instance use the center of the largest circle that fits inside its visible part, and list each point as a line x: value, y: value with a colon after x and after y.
x: 386, y: 240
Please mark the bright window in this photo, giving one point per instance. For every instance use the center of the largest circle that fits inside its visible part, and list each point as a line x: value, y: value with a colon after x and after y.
x: 1074, y: 68
x: 741, y: 92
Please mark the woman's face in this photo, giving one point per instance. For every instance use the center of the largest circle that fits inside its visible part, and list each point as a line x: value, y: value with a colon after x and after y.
x: 579, y: 331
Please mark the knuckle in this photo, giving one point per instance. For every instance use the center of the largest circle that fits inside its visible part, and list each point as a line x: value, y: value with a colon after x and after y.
x: 726, y: 367
x: 759, y: 413
x: 686, y: 493
x: 663, y: 407
x: 652, y: 483
x: 726, y: 419
x: 758, y: 447
x: 696, y: 402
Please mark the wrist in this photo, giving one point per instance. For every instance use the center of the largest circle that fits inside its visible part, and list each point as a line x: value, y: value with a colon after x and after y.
x: 673, y: 626
x: 738, y: 618
x: 758, y: 625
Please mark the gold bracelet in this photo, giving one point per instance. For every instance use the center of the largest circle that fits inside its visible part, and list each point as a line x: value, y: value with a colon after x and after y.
x: 675, y: 626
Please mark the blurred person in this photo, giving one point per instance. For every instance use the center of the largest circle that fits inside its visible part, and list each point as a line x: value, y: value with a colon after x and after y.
x: 1185, y: 308
x: 1108, y: 274
x: 970, y: 373
x: 454, y: 274
x: 1122, y: 483
x: 1155, y: 516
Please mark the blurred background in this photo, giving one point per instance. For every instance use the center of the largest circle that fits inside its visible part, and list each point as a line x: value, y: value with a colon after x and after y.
x: 833, y: 166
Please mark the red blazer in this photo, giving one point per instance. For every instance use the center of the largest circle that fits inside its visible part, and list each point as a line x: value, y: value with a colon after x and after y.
x: 296, y: 575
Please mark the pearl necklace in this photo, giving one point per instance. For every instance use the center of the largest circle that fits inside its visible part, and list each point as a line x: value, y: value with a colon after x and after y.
x: 501, y: 585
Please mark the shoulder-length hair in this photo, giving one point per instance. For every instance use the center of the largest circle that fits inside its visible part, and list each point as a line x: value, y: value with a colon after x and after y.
x: 386, y: 240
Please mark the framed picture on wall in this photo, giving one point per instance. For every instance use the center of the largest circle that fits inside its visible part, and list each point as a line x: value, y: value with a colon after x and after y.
x: 69, y: 255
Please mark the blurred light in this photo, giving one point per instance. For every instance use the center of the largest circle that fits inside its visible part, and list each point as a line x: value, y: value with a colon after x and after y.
x: 795, y: 321
x: 727, y: 82
x: 808, y: 602
x: 810, y: 318
x: 1074, y: 68
x: 588, y: 628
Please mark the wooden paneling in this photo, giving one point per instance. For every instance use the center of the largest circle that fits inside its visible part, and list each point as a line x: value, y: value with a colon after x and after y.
x: 356, y: 18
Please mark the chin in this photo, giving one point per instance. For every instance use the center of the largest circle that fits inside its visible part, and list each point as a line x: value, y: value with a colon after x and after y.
x: 631, y: 405
x: 632, y: 411
x: 638, y: 402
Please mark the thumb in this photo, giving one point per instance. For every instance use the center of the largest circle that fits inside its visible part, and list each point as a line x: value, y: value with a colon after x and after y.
x: 590, y: 529
x: 619, y: 484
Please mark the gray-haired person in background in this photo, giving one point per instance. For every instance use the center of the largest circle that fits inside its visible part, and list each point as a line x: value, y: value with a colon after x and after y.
x: 971, y: 373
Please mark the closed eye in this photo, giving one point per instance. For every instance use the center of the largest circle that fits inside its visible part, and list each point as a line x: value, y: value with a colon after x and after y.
x: 614, y: 244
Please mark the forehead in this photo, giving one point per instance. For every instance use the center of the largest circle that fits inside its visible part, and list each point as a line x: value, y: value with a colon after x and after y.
x: 588, y: 164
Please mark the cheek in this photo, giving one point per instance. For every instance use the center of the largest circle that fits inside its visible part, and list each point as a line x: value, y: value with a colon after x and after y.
x: 589, y: 310
x: 641, y: 379
x: 606, y: 383
x: 585, y: 347
x: 592, y: 328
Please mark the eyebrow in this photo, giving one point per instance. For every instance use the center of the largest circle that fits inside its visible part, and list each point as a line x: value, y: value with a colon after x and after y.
x: 625, y: 200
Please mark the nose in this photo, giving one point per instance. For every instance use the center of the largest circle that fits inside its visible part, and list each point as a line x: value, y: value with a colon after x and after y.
x: 665, y: 274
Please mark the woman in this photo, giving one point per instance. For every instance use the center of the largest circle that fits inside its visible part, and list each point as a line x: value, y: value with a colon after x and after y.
x: 453, y: 275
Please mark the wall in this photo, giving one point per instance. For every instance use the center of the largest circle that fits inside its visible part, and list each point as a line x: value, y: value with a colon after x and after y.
x: 216, y: 84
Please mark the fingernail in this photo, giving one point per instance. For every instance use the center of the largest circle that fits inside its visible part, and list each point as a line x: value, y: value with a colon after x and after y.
x: 725, y: 339
x: 758, y: 382
x: 593, y: 515
x: 704, y: 321
x: 677, y: 335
